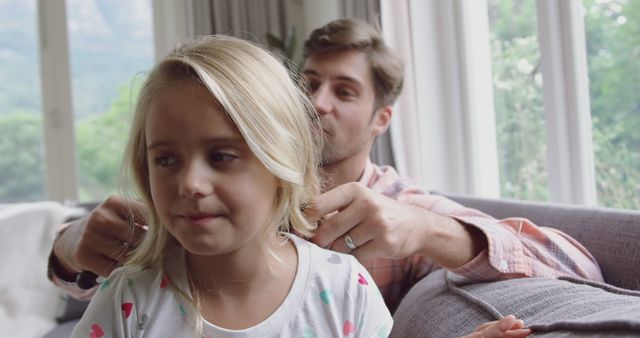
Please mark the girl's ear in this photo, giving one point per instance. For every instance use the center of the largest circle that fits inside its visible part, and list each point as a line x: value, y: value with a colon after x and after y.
x: 382, y: 120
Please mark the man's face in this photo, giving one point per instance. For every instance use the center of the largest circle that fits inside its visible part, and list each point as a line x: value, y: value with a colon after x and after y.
x: 341, y: 86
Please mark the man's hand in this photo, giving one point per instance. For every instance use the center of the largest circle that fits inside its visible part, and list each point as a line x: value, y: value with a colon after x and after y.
x: 506, y: 327
x: 102, y: 240
x: 381, y: 227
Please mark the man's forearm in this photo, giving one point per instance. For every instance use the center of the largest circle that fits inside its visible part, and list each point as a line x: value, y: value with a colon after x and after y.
x: 451, y: 243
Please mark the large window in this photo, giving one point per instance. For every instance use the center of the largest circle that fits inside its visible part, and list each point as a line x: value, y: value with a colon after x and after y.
x: 110, y: 44
x: 613, y: 58
x: 562, y: 78
x: 21, y: 145
x: 110, y: 47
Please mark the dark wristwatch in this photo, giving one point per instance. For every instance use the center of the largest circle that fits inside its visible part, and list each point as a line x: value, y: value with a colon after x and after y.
x: 55, y: 268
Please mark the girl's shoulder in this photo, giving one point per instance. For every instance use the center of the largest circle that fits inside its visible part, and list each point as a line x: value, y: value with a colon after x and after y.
x: 133, y: 299
x: 135, y: 280
x: 331, y: 267
x: 325, y: 257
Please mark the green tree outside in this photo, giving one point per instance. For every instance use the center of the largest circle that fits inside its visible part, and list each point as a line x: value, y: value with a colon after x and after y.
x: 100, y: 143
x: 520, y: 117
x: 21, y: 169
x: 613, y: 51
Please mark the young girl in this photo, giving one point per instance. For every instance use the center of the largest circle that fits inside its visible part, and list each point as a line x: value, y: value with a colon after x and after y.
x: 222, y: 152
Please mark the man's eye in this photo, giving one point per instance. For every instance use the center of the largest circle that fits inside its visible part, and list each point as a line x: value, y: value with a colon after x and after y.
x: 345, y: 93
x: 221, y: 157
x: 312, y: 86
x: 165, y: 161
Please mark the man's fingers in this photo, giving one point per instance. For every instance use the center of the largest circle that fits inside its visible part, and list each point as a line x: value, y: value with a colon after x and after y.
x: 336, y: 227
x: 126, y: 209
x: 113, y: 240
x: 136, y: 211
x: 335, y: 199
x: 361, y: 238
x: 107, y: 224
x: 122, y: 251
x: 366, y: 251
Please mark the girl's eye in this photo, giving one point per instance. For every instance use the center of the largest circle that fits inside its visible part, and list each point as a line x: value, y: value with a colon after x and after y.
x: 221, y: 157
x: 165, y: 161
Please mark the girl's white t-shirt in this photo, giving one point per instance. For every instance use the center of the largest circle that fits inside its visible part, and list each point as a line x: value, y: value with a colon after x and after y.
x: 332, y: 295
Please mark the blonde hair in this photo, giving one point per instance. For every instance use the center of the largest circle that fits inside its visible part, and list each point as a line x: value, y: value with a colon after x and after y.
x: 269, y: 108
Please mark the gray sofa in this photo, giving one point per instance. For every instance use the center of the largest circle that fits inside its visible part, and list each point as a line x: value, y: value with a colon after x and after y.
x: 446, y: 305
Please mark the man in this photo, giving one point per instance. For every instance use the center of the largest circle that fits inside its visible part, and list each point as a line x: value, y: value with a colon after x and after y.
x: 399, y: 232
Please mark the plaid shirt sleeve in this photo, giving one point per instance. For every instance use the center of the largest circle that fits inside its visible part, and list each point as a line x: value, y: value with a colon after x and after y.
x: 516, y: 246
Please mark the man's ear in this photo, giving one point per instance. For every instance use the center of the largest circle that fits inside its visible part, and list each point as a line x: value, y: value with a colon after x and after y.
x: 382, y: 120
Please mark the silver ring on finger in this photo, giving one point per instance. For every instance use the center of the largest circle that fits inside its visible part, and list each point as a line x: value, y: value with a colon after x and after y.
x: 349, y: 242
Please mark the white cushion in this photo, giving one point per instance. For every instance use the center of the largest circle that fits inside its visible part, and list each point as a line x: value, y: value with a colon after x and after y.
x: 29, y: 303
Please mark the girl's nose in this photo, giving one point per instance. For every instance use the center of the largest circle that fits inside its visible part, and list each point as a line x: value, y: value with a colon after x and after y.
x: 196, y: 181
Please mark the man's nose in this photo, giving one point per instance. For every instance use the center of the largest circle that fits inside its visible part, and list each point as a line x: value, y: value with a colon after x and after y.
x: 323, y: 100
x: 196, y: 181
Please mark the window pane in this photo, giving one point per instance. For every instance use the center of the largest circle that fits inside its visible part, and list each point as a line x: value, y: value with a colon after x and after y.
x: 613, y: 51
x: 21, y: 147
x: 517, y: 84
x: 111, y: 46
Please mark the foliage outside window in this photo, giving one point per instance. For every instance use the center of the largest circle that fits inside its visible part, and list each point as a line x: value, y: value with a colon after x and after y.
x: 110, y: 42
x: 613, y: 55
x: 517, y: 82
x: 21, y: 149
x: 110, y: 45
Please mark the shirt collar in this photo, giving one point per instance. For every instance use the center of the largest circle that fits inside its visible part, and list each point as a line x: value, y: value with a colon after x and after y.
x: 367, y: 174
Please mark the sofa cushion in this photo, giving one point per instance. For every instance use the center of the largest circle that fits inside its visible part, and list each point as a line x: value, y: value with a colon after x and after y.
x: 28, y: 301
x: 447, y: 305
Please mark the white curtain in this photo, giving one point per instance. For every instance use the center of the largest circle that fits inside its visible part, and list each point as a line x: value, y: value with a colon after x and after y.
x: 403, y: 140
x: 366, y: 10
x: 247, y: 19
x: 444, y: 123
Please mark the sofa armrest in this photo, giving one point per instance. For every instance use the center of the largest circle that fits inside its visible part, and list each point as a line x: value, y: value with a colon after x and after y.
x: 611, y: 235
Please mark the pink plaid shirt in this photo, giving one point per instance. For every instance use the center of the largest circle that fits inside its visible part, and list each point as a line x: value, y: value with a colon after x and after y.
x: 517, y: 247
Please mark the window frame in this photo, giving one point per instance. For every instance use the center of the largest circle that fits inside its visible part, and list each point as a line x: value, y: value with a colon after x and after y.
x: 61, y: 182
x: 171, y: 24
x: 570, y: 156
x: 456, y: 97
